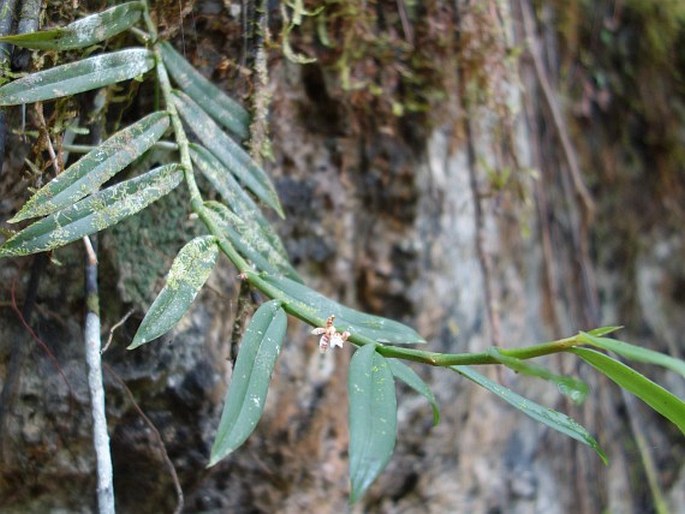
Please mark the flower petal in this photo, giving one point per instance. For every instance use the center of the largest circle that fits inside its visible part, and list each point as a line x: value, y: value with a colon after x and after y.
x: 337, y: 340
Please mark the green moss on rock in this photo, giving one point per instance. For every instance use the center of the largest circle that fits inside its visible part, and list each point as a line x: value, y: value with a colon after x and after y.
x: 142, y: 247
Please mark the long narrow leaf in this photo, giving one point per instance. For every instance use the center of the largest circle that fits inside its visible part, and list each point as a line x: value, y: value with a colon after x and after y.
x: 379, y: 329
x: 658, y: 398
x: 81, y: 33
x: 572, y: 387
x: 372, y: 418
x: 602, y: 331
x: 635, y: 353
x: 234, y: 194
x: 95, y: 213
x: 258, y: 260
x: 251, y: 242
x: 188, y: 273
x: 246, y: 395
x: 96, y: 167
x: 412, y: 379
x: 231, y: 155
x: 218, y: 105
x: 77, y: 77
x: 553, y: 419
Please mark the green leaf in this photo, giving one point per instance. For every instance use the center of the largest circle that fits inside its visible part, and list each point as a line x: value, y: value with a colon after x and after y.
x: 412, y: 379
x: 572, y: 387
x: 218, y: 105
x: 95, y: 213
x: 250, y: 241
x: 635, y: 353
x: 246, y: 395
x: 372, y: 418
x: 230, y: 153
x: 234, y: 194
x: 81, y: 33
x: 223, y: 218
x: 602, y: 331
x: 77, y: 77
x: 188, y: 273
x: 309, y: 302
x: 96, y: 167
x: 553, y: 419
x: 658, y: 398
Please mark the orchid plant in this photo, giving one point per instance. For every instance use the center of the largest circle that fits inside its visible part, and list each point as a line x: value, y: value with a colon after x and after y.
x: 73, y: 205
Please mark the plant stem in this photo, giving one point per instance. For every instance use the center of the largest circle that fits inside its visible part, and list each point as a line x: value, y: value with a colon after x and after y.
x: 431, y: 358
x: 181, y: 138
x: 458, y: 359
x: 196, y: 201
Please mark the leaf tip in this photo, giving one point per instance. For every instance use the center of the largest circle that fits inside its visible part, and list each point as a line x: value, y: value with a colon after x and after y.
x: 279, y: 209
x: 602, y: 455
x: 137, y: 341
x: 217, y: 454
x: 356, y: 493
x: 436, y: 416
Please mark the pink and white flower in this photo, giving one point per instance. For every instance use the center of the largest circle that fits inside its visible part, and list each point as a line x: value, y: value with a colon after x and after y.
x: 330, y: 337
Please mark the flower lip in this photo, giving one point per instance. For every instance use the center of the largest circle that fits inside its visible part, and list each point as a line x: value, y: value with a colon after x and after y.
x: 330, y: 337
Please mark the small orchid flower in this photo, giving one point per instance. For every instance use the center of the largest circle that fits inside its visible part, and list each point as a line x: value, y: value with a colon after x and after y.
x: 330, y: 337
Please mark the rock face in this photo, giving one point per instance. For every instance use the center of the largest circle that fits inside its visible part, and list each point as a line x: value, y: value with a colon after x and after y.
x: 464, y: 222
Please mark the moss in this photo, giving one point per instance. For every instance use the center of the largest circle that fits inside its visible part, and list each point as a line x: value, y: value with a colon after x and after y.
x: 389, y: 59
x: 143, y: 246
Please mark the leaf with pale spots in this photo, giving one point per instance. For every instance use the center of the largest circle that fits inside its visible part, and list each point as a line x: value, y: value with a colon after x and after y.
x: 234, y: 195
x: 94, y: 213
x: 372, y: 418
x: 308, y: 301
x: 250, y: 241
x: 553, y: 419
x: 412, y: 379
x: 188, y: 273
x: 246, y: 394
x: 77, y: 77
x: 95, y: 168
x: 230, y: 153
x: 215, y: 102
x: 81, y: 33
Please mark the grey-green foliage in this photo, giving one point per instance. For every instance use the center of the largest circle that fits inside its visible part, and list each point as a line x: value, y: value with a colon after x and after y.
x: 82, y: 33
x: 246, y: 395
x: 161, y: 230
x: 222, y: 108
x: 94, y: 213
x: 372, y: 418
x: 76, y: 77
x: 95, y: 168
x: 72, y: 205
x: 187, y: 275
